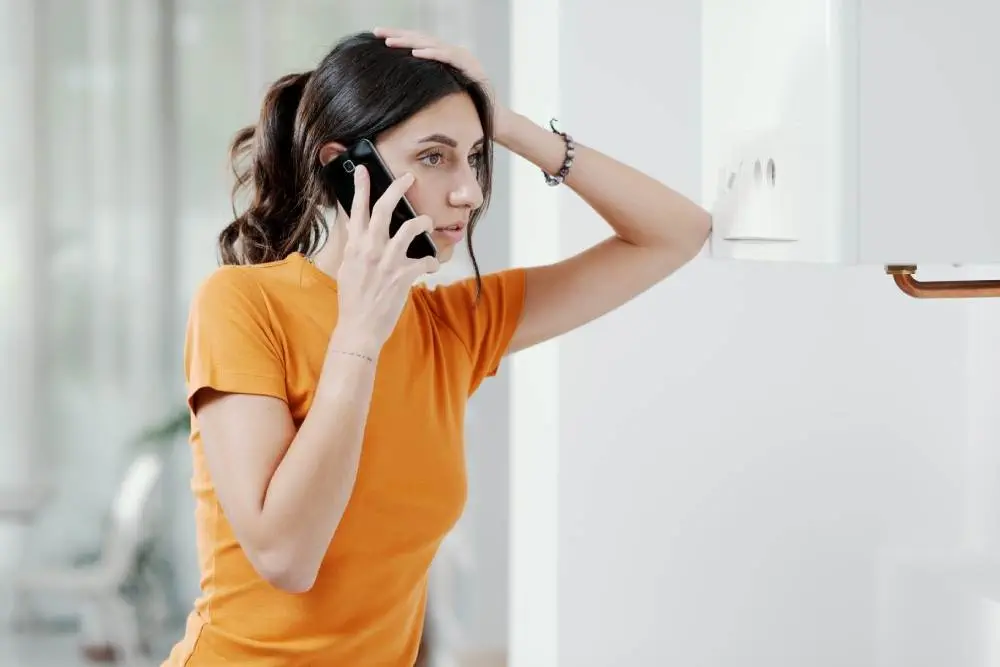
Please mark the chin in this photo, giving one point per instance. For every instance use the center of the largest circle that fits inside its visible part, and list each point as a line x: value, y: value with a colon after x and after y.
x: 445, y: 253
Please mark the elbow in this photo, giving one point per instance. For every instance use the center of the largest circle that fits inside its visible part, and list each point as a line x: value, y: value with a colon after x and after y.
x: 282, y: 569
x: 683, y: 237
x: 698, y: 231
x: 685, y: 245
x: 701, y: 229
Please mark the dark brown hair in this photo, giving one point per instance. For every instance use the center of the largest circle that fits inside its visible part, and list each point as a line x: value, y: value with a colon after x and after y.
x: 359, y: 90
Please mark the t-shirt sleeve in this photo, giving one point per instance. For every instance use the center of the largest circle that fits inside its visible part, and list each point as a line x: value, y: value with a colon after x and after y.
x: 230, y: 344
x: 487, y: 327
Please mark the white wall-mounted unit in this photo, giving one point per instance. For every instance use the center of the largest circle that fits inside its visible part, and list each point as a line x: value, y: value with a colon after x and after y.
x: 852, y: 131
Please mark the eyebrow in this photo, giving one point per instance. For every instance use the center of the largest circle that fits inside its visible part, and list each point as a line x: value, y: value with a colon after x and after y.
x: 444, y: 139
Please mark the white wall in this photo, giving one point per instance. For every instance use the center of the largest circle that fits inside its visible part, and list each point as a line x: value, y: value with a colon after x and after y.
x: 758, y: 465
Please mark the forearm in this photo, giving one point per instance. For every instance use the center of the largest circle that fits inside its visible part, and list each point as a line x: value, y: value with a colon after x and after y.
x: 640, y: 209
x: 309, y: 491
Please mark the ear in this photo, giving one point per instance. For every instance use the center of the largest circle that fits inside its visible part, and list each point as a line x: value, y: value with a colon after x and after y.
x: 329, y: 152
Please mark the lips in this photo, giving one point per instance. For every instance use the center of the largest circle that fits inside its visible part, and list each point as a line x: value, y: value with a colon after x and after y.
x: 457, y: 227
x: 454, y: 232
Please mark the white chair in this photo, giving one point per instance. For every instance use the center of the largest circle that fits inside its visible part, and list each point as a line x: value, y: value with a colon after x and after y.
x: 99, y: 585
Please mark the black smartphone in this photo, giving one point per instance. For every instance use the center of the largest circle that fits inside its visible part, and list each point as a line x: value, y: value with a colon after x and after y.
x: 338, y: 175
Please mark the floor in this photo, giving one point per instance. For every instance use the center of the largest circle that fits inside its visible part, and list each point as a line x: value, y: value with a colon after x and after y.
x: 23, y: 650
x: 18, y: 650
x: 490, y: 659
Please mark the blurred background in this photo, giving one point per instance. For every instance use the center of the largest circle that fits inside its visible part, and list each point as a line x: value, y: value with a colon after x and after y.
x: 754, y: 464
x: 114, y: 183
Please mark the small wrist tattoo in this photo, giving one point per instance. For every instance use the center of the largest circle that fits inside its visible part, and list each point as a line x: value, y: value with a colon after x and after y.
x: 355, y: 354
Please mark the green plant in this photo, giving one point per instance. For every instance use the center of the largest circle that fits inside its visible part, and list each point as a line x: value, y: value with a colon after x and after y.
x: 165, y: 433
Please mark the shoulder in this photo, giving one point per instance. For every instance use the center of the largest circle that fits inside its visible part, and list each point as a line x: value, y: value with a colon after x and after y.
x: 235, y: 339
x: 235, y: 306
x: 225, y: 284
x: 228, y: 297
x: 233, y: 344
x: 232, y: 287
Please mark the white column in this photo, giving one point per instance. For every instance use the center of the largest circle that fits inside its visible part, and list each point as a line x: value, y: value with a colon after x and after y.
x: 534, y: 461
x: 106, y: 224
x: 23, y: 275
x: 152, y: 220
x: 37, y: 223
x: 16, y: 131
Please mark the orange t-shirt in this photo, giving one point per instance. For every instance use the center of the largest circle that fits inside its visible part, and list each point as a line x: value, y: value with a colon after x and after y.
x: 264, y: 330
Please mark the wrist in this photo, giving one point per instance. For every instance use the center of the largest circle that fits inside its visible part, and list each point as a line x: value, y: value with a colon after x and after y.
x: 544, y: 148
x: 360, y: 344
x: 504, y: 122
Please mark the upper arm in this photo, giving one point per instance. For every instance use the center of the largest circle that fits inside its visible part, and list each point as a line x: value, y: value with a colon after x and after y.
x: 236, y: 390
x: 563, y: 296
x: 244, y: 437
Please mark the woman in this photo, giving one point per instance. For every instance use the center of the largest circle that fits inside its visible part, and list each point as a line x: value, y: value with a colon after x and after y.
x: 328, y: 392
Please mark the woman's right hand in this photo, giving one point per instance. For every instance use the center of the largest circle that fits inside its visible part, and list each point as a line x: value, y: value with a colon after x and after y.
x: 375, y: 276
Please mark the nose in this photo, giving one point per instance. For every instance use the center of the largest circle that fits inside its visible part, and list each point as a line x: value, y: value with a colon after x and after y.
x: 467, y: 192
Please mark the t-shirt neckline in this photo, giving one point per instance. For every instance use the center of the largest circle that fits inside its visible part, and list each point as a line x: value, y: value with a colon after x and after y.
x: 315, y: 273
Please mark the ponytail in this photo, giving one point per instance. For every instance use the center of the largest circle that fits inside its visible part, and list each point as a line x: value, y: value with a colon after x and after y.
x: 283, y: 214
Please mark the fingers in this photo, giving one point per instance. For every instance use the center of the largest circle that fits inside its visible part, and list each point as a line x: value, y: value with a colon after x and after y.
x: 381, y: 31
x: 434, y: 53
x: 410, y: 42
x: 408, y: 39
x: 401, y: 33
x: 421, y: 45
x: 386, y: 204
x: 409, y: 231
x: 358, y: 221
x: 411, y: 269
x: 419, y: 267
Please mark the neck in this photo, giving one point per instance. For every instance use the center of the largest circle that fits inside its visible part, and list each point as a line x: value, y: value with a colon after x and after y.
x: 331, y: 255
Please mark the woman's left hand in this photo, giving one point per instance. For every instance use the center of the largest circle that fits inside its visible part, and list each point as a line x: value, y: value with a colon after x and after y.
x: 424, y: 46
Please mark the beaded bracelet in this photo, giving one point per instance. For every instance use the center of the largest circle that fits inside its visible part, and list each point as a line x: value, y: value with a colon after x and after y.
x: 567, y: 161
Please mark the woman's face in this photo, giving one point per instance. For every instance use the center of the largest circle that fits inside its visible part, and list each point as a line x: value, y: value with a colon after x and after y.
x: 442, y: 147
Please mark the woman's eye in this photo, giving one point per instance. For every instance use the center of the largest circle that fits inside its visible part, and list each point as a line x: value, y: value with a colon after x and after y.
x: 432, y: 160
x: 475, y: 159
